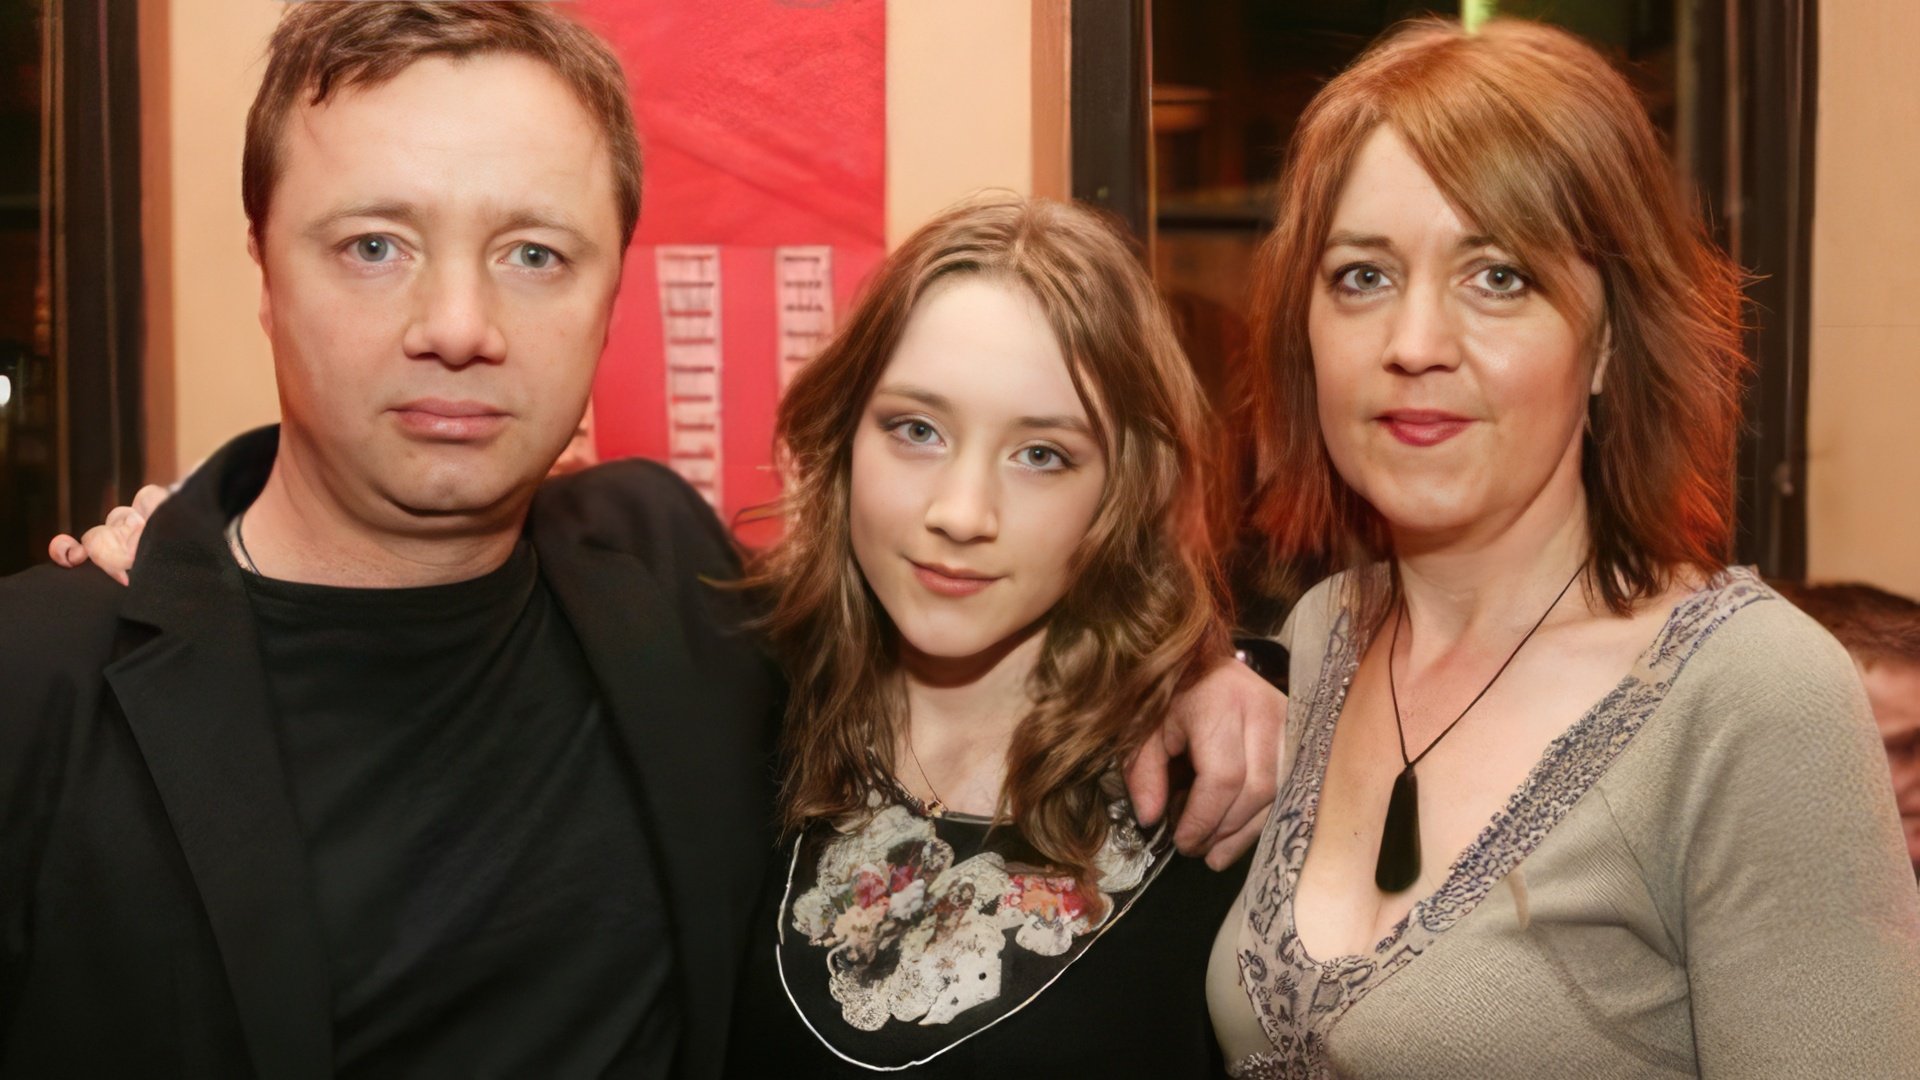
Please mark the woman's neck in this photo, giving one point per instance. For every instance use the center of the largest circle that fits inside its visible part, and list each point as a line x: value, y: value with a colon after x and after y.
x: 1493, y: 583
x: 961, y: 716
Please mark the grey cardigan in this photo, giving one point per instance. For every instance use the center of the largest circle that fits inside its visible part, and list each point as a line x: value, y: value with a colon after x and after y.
x: 1705, y: 876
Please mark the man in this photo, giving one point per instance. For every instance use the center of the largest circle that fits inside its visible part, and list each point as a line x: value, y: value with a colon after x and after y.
x: 1882, y: 633
x: 384, y: 765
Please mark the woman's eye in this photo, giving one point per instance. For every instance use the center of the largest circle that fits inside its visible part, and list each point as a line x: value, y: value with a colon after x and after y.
x: 373, y: 249
x: 917, y: 432
x: 1043, y: 458
x: 1360, y: 279
x: 533, y: 256
x: 1501, y: 281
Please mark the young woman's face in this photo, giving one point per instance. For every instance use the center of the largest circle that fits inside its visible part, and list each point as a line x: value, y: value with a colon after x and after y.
x: 1451, y: 393
x: 976, y: 472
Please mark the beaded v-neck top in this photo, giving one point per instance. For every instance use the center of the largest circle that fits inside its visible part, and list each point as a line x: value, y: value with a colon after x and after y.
x: 1298, y: 999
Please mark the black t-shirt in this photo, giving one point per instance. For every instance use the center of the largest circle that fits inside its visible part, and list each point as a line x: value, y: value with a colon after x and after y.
x: 486, y: 891
x: 936, y: 946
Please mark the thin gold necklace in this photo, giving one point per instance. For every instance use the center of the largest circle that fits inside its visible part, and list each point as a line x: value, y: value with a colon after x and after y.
x: 936, y: 808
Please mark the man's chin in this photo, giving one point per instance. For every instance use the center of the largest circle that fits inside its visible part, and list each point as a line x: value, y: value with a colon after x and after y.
x: 460, y: 498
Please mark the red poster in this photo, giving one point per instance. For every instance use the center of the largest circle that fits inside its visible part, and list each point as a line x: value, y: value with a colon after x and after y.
x: 763, y: 123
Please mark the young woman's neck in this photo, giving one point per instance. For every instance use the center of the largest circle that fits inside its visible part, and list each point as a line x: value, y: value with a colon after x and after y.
x: 961, y: 716
x: 1486, y: 581
x: 298, y: 530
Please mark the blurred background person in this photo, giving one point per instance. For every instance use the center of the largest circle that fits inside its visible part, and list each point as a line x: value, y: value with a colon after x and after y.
x: 1881, y: 631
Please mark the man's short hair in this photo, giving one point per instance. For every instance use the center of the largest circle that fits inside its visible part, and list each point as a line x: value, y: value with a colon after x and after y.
x: 322, y: 48
x: 1874, y: 624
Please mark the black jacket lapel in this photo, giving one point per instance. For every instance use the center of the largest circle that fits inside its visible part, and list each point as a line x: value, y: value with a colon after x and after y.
x: 195, y: 695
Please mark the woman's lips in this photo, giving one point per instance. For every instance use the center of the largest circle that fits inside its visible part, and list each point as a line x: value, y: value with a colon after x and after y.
x: 947, y: 581
x: 1417, y: 427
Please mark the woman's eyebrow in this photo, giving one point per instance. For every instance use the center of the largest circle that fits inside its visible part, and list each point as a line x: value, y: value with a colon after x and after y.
x: 1377, y: 242
x: 1348, y: 238
x: 1062, y: 422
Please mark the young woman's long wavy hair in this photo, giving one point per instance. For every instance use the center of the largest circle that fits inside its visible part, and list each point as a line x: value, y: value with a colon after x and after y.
x: 1545, y: 147
x: 1141, y: 617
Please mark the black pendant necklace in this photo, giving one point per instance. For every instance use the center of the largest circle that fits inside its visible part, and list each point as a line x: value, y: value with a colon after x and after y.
x: 1399, y: 864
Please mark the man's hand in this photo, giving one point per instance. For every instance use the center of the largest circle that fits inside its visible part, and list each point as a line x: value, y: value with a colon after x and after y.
x: 1228, y: 725
x: 111, y: 546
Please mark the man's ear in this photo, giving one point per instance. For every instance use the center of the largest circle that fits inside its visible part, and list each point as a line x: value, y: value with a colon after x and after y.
x: 259, y: 258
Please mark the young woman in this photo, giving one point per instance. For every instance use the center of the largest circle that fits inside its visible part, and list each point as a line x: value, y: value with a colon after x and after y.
x: 995, y: 575
x: 1564, y: 790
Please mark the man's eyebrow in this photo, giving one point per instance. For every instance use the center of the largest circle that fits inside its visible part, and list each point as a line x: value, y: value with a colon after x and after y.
x: 547, y: 219
x: 404, y: 213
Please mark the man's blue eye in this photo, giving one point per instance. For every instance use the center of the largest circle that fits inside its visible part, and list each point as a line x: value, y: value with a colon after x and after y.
x: 373, y: 249
x: 535, y: 256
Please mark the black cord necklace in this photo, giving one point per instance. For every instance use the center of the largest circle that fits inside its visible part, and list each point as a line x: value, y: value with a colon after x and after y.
x: 1399, y: 864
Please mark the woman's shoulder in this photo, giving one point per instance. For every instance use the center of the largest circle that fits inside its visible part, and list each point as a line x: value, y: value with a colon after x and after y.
x: 1746, y: 681
x: 1737, y: 631
x: 1314, y: 616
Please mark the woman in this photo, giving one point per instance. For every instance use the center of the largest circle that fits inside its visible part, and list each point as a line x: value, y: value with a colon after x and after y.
x: 994, y: 576
x: 1562, y: 788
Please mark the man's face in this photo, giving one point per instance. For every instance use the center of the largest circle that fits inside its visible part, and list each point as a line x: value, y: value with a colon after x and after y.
x: 439, y: 265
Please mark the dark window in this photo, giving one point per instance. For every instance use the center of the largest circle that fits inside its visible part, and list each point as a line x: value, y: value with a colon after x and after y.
x: 70, y: 296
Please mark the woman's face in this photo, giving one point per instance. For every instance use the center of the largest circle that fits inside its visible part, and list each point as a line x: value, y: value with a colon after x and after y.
x: 1451, y: 393
x: 976, y: 472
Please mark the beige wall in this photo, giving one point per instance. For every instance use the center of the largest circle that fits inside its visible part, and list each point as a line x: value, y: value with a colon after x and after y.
x: 976, y: 98
x: 1863, y: 471
x: 210, y: 373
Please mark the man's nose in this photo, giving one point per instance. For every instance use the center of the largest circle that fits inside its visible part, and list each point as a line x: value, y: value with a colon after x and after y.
x: 454, y: 320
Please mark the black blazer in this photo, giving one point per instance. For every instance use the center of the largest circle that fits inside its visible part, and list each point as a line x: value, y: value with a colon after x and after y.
x: 156, y: 917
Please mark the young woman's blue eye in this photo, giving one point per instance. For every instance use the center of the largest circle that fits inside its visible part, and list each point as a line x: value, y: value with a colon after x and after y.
x: 912, y: 432
x: 1043, y: 458
x: 534, y: 256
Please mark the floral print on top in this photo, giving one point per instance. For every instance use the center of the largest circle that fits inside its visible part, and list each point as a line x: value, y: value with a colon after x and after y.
x: 925, y: 931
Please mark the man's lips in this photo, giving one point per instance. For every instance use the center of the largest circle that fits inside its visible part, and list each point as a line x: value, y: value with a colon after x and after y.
x: 450, y: 421
x: 950, y: 581
x: 1423, y: 427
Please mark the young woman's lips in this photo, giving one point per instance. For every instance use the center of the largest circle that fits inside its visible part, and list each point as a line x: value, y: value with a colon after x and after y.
x: 947, y: 581
x: 1419, y: 427
x: 450, y: 421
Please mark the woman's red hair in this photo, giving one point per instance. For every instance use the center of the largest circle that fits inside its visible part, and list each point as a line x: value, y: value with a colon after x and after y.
x: 1540, y: 143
